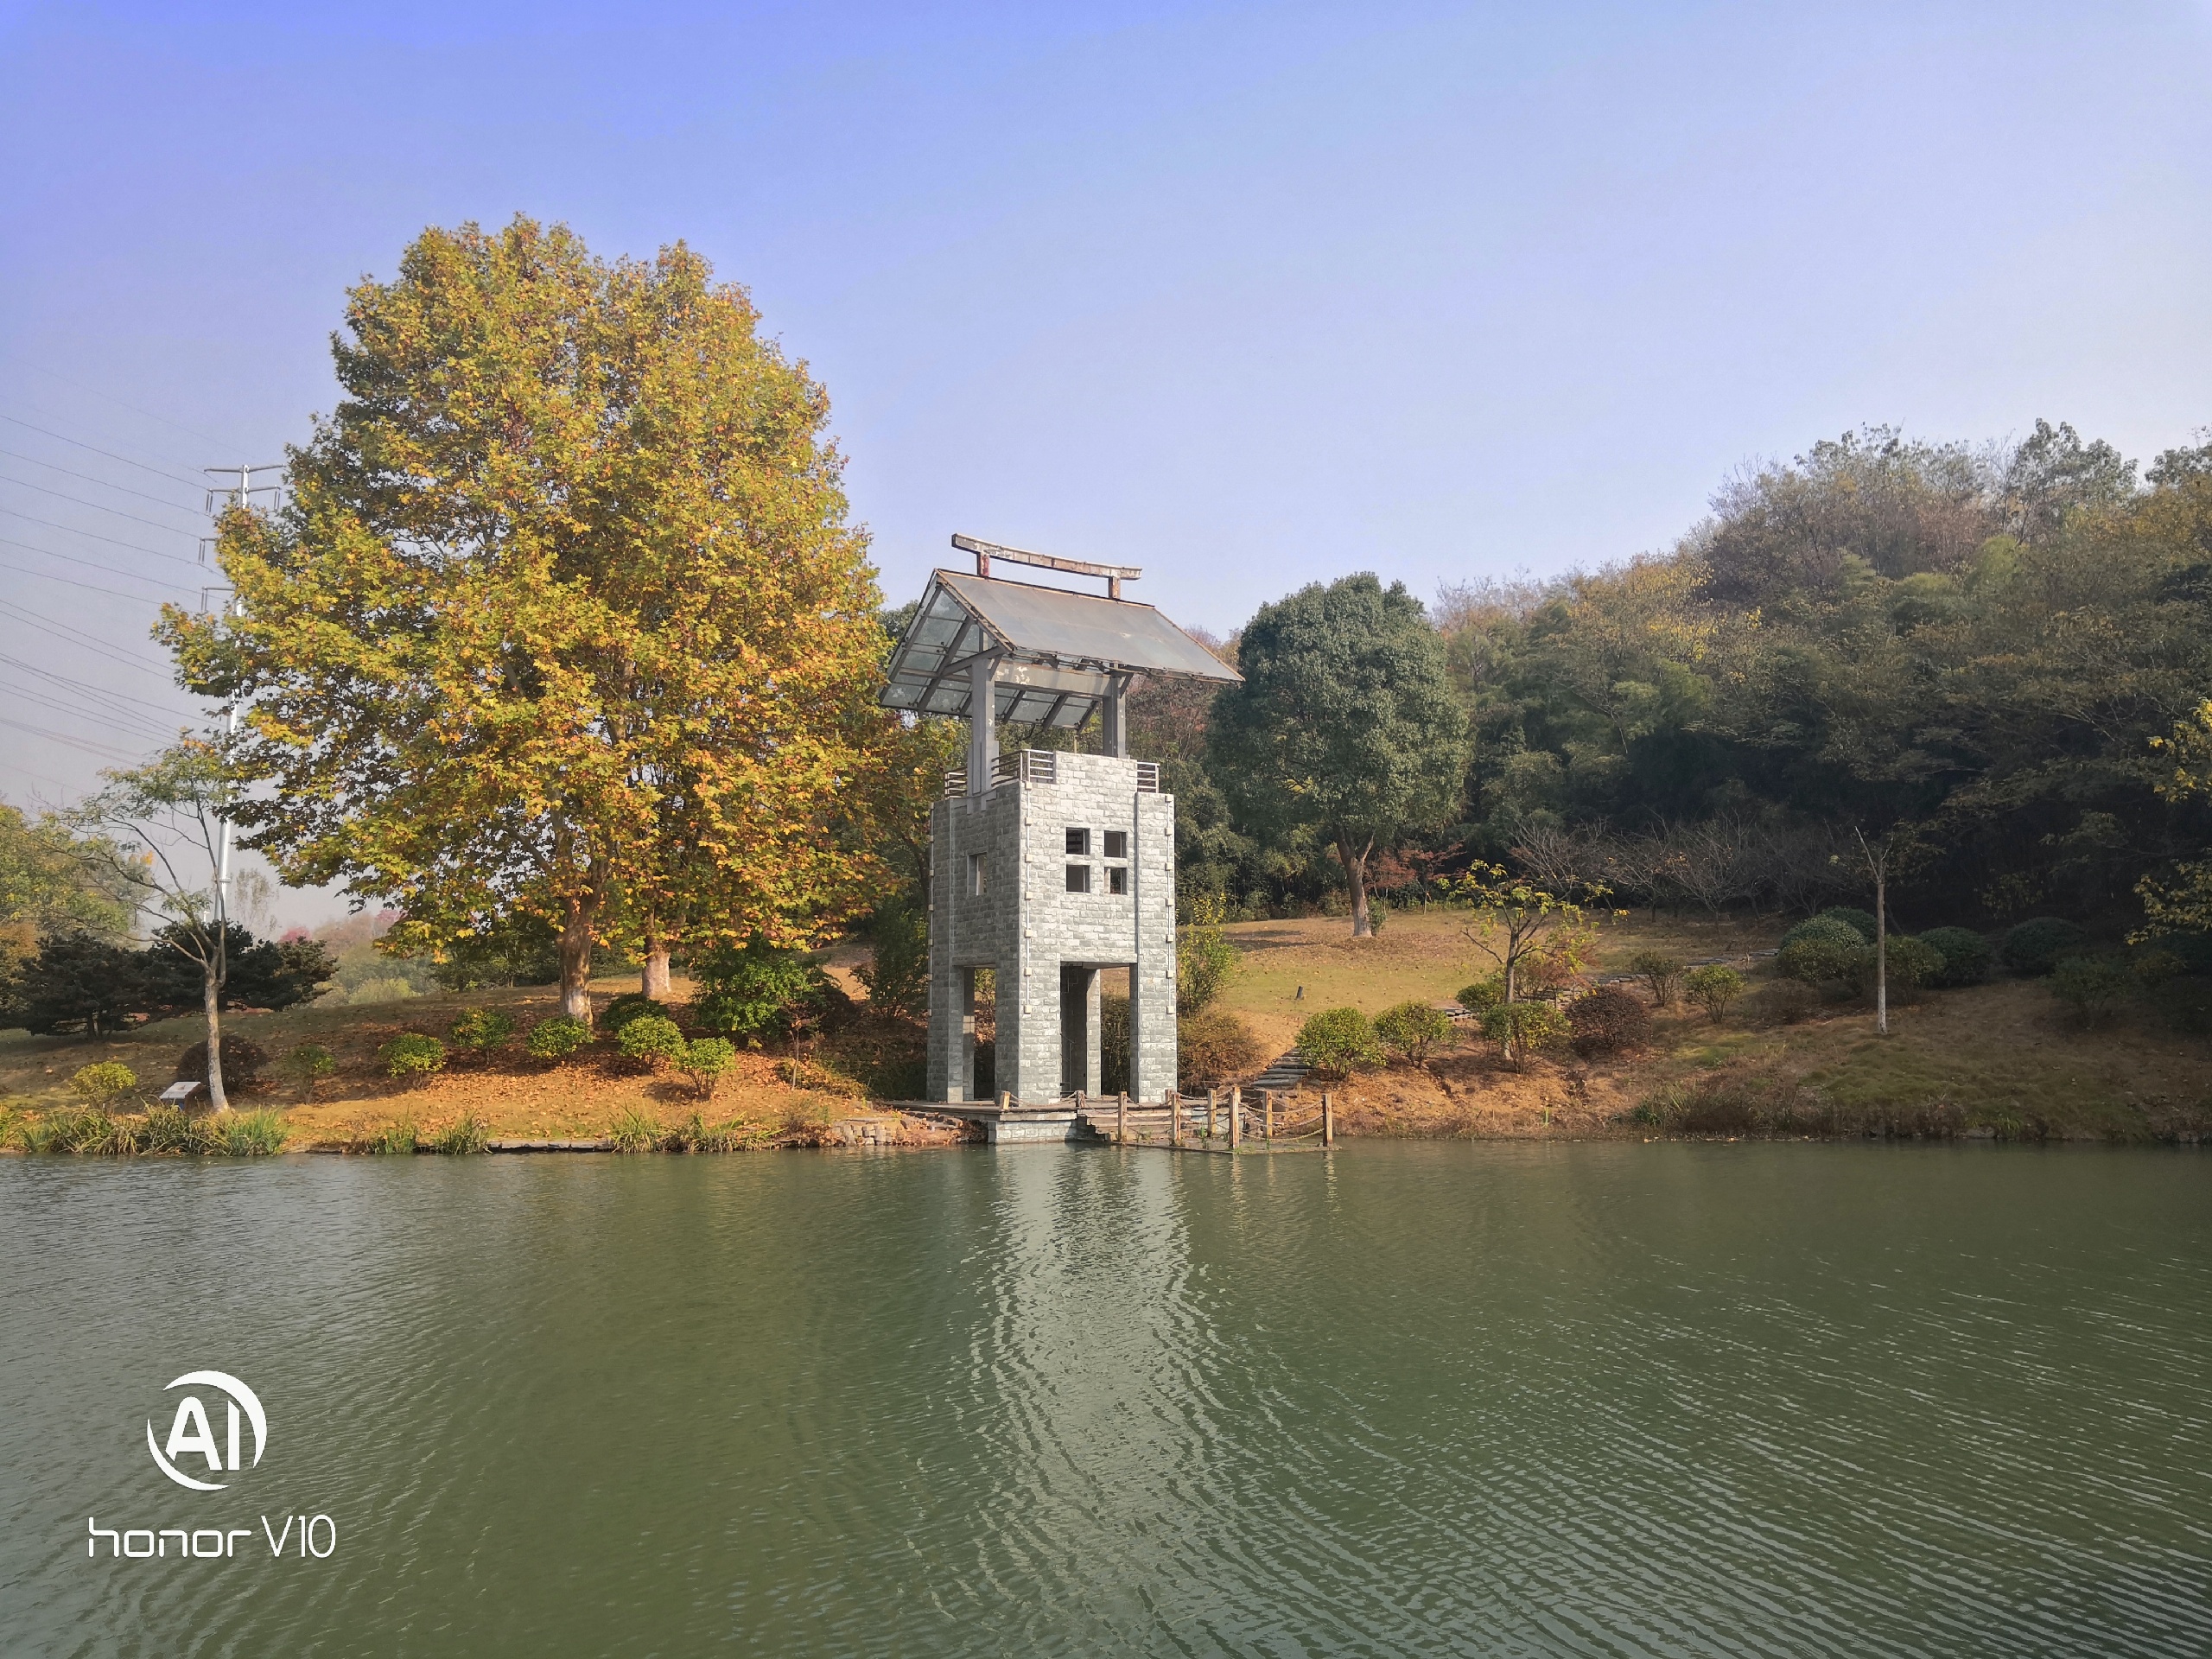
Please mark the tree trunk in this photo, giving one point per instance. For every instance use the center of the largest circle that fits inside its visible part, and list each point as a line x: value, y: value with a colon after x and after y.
x: 1882, y: 946
x: 576, y: 962
x: 211, y: 996
x: 1356, y: 873
x: 656, y: 977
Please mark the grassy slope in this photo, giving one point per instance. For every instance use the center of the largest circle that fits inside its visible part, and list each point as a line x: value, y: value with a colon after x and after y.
x: 514, y: 1095
x: 2003, y: 1051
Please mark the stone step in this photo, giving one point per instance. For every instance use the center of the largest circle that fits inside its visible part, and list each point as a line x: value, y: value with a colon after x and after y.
x: 1287, y: 1072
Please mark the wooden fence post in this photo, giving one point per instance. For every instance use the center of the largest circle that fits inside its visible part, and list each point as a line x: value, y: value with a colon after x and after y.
x: 1174, y: 1117
x: 1236, y: 1117
x: 1121, y: 1119
x: 1267, y: 1109
x: 1210, y: 1119
x: 1328, y: 1121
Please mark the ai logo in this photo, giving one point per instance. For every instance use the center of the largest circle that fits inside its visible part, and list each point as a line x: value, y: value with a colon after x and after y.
x: 191, y: 1430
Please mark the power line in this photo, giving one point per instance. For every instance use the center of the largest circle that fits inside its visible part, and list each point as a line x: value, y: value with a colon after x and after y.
x: 79, y: 685
x: 81, y: 386
x: 177, y: 478
x: 90, y: 564
x: 62, y: 630
x: 20, y: 693
x: 98, y: 750
x: 134, y: 547
x: 25, y: 484
x: 70, y: 582
x: 91, y: 478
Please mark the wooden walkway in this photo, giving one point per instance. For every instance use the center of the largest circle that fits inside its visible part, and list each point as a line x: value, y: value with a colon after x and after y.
x: 1220, y: 1120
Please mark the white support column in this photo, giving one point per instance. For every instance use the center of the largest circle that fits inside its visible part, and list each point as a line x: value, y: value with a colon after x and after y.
x: 982, y: 724
x: 1114, y: 719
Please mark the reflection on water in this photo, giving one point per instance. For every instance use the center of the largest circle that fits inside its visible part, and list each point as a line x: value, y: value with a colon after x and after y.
x: 1451, y: 1399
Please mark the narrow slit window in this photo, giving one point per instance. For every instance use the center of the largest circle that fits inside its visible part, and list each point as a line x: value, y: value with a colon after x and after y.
x: 976, y: 873
x: 1079, y: 843
x: 1117, y: 843
x: 1079, y: 878
x: 1117, y: 877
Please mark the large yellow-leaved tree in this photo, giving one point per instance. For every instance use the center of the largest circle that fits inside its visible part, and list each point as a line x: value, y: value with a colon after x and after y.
x: 564, y: 617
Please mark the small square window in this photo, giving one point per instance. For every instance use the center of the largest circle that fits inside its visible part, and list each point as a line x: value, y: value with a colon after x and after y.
x: 1079, y: 844
x: 976, y: 872
x: 1117, y: 877
x: 1117, y: 843
x: 1078, y: 877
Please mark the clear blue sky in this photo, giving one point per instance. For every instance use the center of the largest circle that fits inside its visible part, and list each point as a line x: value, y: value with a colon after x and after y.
x: 1251, y: 296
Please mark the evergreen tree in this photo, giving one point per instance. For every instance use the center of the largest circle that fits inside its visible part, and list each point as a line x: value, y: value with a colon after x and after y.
x: 1345, y: 722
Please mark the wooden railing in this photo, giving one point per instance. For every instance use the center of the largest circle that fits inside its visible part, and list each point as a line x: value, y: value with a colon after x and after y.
x: 1223, y: 1120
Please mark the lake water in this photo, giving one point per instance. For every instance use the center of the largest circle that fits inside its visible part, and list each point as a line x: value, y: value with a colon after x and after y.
x: 1412, y: 1399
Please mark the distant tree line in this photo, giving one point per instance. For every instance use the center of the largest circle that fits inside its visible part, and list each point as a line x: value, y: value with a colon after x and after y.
x: 78, y: 982
x: 1994, y: 657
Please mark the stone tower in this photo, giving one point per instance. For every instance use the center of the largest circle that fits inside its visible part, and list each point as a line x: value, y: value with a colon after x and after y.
x: 1047, y: 868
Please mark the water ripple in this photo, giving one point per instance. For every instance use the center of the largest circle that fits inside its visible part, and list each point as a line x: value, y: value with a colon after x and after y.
x: 1610, y: 1400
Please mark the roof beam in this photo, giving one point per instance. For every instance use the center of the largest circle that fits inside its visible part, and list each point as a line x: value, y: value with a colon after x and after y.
x: 1116, y: 574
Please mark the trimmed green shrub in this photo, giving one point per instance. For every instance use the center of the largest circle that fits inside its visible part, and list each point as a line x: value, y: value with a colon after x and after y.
x: 1214, y: 1046
x: 704, y: 1060
x: 1608, y: 1020
x: 2092, y: 986
x: 1662, y: 972
x: 1913, y: 963
x: 1835, y: 955
x: 631, y: 1005
x: 1966, y: 956
x: 1339, y: 1039
x: 102, y: 1082
x: 555, y: 1038
x: 308, y: 1064
x: 1409, y: 1030
x: 1483, y: 994
x: 1824, y: 927
x: 1523, y: 1028
x: 650, y: 1038
x: 1712, y: 988
x: 2034, y: 946
x: 758, y: 993
x: 482, y: 1030
x: 1861, y: 922
x: 412, y: 1055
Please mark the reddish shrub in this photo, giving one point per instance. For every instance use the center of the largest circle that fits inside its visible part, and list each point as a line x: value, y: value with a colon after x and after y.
x: 1608, y: 1020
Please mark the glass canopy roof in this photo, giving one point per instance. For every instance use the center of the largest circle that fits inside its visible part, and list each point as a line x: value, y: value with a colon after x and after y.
x: 1058, y: 652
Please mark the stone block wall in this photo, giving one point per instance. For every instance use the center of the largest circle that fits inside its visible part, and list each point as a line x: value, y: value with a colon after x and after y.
x: 1027, y: 926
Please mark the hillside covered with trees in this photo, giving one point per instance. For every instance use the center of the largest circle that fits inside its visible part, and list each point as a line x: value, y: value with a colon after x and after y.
x: 1996, y: 655
x: 561, y: 661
